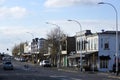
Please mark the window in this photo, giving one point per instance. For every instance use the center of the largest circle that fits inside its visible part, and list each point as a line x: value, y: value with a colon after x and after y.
x: 88, y: 44
x: 101, y: 43
x: 106, y: 44
x: 95, y: 44
x: 64, y: 45
x: 104, y: 63
x: 83, y: 45
x: 80, y: 45
x: 91, y: 44
x: 77, y: 45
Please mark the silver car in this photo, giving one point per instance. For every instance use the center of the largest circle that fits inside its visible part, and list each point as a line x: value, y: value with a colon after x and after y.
x: 45, y: 63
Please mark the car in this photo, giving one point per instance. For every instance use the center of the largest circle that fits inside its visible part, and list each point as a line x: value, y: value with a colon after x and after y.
x: 41, y: 63
x: 7, y: 66
x: 23, y: 60
x: 45, y: 63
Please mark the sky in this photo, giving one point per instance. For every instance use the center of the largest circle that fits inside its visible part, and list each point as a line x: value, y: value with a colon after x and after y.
x: 23, y: 20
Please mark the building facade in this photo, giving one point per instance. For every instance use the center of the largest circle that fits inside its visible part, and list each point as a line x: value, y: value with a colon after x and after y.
x: 98, y: 50
x: 35, y: 49
x: 67, y: 47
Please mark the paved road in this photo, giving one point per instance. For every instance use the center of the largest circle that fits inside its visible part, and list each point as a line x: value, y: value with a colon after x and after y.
x: 34, y: 72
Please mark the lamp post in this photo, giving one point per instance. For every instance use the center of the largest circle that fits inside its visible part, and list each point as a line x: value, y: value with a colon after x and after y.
x: 116, y: 13
x: 58, y: 62
x: 81, y: 66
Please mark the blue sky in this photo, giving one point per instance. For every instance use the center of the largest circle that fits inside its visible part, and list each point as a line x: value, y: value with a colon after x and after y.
x: 17, y: 17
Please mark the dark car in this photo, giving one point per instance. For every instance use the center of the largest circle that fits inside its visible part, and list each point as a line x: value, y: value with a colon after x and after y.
x: 7, y: 66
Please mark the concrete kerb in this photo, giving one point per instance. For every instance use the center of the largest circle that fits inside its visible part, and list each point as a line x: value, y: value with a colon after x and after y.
x: 66, y: 70
x: 75, y: 70
x: 89, y: 72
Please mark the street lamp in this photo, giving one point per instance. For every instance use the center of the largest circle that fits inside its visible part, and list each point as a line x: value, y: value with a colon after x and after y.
x: 80, y: 44
x: 58, y: 62
x: 116, y: 13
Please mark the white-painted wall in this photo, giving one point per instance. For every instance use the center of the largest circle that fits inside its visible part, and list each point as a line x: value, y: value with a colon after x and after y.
x: 98, y: 40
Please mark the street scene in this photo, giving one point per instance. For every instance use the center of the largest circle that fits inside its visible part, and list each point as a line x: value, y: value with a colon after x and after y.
x: 35, y: 72
x: 59, y: 40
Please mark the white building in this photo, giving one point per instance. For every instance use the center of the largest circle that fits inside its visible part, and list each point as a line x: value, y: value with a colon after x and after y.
x: 98, y: 49
x: 27, y: 47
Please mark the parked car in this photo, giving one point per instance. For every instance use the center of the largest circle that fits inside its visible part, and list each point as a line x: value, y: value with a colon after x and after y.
x: 45, y: 63
x: 7, y: 66
x: 23, y: 60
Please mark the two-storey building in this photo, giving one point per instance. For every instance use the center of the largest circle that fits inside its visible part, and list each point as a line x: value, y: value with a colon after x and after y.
x: 35, y: 49
x: 67, y: 47
x: 98, y: 49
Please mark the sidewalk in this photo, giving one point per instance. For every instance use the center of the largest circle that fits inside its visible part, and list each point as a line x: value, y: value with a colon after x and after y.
x: 75, y: 70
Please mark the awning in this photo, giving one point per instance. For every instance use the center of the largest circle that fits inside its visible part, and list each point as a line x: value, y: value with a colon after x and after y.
x: 92, y: 52
x: 105, y: 57
x: 75, y: 56
x: 83, y: 54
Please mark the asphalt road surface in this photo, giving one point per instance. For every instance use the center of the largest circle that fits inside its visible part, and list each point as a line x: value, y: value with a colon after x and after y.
x: 35, y: 72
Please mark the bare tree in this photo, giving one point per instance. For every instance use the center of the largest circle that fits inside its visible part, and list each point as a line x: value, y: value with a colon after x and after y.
x: 18, y: 49
x: 53, y: 38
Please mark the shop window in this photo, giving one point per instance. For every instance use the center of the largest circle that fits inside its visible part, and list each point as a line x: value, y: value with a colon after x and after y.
x: 104, y: 63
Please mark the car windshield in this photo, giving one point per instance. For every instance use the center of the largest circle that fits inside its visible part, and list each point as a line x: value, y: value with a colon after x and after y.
x: 8, y: 63
x: 46, y: 61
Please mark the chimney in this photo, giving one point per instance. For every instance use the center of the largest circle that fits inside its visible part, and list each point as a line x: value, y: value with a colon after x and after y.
x: 103, y: 30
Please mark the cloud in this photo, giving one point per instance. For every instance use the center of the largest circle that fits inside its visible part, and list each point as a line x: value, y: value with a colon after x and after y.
x: 21, y: 31
x: 65, y: 3
x: 14, y: 12
x: 18, y: 11
x: 13, y: 30
x: 2, y: 1
x: 94, y: 25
